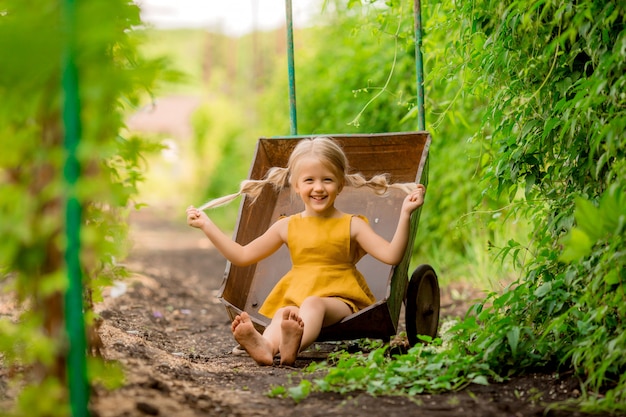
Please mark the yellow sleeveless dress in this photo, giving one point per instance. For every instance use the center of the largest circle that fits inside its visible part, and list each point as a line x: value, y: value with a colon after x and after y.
x: 323, y: 265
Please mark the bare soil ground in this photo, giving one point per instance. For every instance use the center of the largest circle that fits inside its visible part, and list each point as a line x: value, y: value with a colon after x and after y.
x: 172, y: 337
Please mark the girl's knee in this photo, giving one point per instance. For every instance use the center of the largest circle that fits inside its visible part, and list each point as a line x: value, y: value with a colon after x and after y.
x: 279, y: 313
x: 312, y: 301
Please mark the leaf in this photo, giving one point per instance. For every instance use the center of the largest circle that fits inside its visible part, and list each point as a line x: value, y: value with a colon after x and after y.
x: 480, y: 379
x: 588, y: 218
x: 513, y: 338
x: 543, y: 289
x: 602, y: 161
x: 277, y: 391
x: 530, y: 181
x: 612, y: 209
x: 611, y: 277
x: 577, y: 246
x: 300, y: 392
x: 549, y: 125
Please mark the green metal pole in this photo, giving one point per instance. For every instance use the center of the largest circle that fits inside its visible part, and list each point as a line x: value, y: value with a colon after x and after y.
x: 74, y: 318
x: 293, y: 119
x: 419, y: 65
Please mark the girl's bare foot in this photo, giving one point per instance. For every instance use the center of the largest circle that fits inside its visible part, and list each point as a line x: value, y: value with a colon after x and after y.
x: 251, y: 340
x: 292, y: 328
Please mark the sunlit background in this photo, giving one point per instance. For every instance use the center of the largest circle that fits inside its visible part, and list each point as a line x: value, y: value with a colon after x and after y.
x: 225, y: 53
x: 232, y: 17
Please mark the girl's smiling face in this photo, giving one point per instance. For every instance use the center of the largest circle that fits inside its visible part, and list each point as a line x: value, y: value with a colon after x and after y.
x: 318, y: 187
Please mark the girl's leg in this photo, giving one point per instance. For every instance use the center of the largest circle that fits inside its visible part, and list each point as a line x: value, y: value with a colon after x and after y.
x: 291, y: 329
x: 263, y: 348
x: 318, y: 312
x: 257, y: 346
x: 273, y: 332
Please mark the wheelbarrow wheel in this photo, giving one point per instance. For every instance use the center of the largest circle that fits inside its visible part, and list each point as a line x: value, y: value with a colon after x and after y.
x: 422, y: 304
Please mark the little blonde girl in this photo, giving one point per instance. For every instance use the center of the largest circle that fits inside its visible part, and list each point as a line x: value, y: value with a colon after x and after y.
x: 325, y: 244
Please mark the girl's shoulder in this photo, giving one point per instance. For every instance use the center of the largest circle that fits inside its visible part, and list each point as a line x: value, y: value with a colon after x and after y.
x: 280, y: 227
x: 358, y: 218
x: 358, y: 222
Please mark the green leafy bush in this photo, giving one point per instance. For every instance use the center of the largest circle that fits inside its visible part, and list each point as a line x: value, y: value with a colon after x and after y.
x: 113, y: 78
x: 556, y: 120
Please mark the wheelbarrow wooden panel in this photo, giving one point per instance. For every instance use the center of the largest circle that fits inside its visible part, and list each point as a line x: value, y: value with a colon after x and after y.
x: 402, y: 156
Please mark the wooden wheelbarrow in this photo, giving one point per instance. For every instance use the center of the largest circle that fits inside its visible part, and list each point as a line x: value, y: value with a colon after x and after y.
x: 403, y: 156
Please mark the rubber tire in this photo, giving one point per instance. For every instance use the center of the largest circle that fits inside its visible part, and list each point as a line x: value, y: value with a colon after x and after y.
x: 422, y: 304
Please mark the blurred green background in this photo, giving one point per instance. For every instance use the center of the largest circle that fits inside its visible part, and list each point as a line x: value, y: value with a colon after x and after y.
x: 355, y: 72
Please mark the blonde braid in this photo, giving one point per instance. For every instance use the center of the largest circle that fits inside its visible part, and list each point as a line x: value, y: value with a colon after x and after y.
x: 407, y: 187
x: 219, y: 201
x: 379, y: 183
x: 252, y: 188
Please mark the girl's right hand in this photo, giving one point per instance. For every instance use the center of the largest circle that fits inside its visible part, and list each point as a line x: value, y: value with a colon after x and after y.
x: 196, y: 218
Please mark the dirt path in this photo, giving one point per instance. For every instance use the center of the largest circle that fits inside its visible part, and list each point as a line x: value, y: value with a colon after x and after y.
x: 173, y: 338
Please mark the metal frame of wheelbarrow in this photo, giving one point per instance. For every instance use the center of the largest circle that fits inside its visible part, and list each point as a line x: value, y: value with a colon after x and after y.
x: 403, y: 155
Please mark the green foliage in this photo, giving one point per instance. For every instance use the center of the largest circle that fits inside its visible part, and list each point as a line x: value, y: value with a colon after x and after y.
x: 545, y: 81
x: 571, y: 316
x: 557, y: 120
x: 425, y: 368
x: 108, y: 374
x: 553, y: 72
x: 594, y: 249
x: 225, y: 75
x: 45, y: 399
x: 182, y: 51
x: 112, y: 77
x: 222, y: 150
x: 26, y: 343
x: 360, y: 92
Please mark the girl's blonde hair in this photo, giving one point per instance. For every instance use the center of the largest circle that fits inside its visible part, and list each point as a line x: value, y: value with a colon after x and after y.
x: 330, y: 154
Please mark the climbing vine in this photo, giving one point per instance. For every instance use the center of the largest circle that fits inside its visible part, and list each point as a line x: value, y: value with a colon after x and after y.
x: 555, y: 125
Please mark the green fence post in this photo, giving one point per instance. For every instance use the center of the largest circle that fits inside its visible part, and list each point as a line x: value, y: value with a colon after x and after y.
x: 74, y: 317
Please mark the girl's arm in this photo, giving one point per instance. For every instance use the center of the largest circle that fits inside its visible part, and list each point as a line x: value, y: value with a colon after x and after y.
x: 240, y: 255
x: 389, y: 252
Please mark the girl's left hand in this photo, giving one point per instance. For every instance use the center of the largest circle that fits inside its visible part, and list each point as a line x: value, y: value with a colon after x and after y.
x: 415, y: 199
